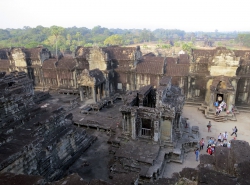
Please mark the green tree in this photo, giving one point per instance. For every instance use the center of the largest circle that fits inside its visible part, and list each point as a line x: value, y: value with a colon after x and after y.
x: 63, y: 48
x: 187, y: 46
x: 114, y: 40
x: 32, y: 45
x: 56, y: 31
x: 78, y: 34
x: 166, y: 46
x: 177, y: 44
x: 72, y: 48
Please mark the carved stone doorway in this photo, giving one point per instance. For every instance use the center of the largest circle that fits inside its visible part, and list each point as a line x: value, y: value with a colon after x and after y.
x: 220, y: 98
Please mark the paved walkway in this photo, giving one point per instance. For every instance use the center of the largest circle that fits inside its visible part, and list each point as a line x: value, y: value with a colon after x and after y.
x: 197, y: 118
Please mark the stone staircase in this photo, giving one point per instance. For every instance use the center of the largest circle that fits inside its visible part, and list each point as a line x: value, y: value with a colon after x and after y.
x: 242, y: 108
x: 194, y: 102
x: 223, y: 116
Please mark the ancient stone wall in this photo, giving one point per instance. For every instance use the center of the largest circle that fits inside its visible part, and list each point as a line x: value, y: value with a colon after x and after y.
x: 35, y: 140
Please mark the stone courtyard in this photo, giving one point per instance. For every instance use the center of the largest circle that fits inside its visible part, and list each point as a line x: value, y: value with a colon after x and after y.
x: 103, y: 117
x: 94, y: 169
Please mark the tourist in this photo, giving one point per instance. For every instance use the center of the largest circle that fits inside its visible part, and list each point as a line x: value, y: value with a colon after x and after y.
x: 216, y: 104
x: 225, y: 135
x: 197, y: 153
x: 209, y: 150
x: 215, y: 142
x: 224, y: 144
x: 209, y: 126
x: 231, y: 109
x: 202, y: 142
x: 235, y: 130
x: 220, y: 138
x: 210, y: 142
x: 213, y: 148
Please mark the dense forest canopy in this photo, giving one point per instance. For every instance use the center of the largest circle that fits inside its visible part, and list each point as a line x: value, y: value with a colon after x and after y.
x: 67, y: 39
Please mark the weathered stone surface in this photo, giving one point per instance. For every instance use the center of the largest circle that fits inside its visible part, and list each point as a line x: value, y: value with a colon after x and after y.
x: 71, y: 179
x: 11, y: 179
x: 35, y: 139
x: 207, y: 176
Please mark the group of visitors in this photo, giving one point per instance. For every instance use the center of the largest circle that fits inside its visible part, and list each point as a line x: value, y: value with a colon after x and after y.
x: 220, y: 106
x: 213, y: 142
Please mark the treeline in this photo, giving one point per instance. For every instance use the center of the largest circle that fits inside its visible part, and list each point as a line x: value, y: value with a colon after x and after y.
x: 67, y: 39
x: 244, y: 39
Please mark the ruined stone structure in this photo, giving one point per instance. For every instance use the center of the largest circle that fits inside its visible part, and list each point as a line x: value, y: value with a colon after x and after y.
x: 227, y: 166
x: 153, y: 90
x: 151, y: 113
x: 152, y: 128
x: 35, y: 139
x: 98, y: 72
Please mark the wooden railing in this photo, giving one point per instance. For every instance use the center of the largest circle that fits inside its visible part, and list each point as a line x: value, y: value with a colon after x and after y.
x: 145, y: 132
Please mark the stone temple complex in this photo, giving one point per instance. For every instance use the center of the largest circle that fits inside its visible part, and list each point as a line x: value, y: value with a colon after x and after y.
x: 48, y: 106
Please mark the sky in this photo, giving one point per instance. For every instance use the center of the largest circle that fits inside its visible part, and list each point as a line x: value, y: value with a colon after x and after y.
x: 187, y: 15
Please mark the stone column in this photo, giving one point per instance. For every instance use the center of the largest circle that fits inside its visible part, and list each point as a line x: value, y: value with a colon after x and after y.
x: 156, y: 131
x: 212, y: 99
x: 171, y: 131
x: 189, y: 88
x: 100, y: 91
x: 81, y: 93
x: 107, y: 88
x: 94, y: 93
x: 87, y: 91
x: 234, y: 83
x: 75, y: 78
x: 123, y: 122
x: 133, y: 134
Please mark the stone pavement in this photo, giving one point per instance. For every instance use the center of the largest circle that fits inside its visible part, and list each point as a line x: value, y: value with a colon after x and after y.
x: 197, y: 118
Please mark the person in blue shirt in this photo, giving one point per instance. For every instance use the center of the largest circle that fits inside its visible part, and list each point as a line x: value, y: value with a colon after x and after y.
x: 197, y: 153
x: 210, y: 142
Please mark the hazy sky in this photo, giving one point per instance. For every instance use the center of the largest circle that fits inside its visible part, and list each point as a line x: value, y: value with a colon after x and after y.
x: 188, y: 15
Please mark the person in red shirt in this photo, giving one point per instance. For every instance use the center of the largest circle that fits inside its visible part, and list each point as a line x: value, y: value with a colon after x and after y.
x: 209, y: 150
x: 202, y: 142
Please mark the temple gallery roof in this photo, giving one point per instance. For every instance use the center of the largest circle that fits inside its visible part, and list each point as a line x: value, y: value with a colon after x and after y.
x: 151, y: 65
x: 92, y: 77
x: 98, y: 75
x: 120, y: 53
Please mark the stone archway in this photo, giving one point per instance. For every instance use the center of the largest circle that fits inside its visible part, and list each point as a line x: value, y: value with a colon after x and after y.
x: 224, y: 87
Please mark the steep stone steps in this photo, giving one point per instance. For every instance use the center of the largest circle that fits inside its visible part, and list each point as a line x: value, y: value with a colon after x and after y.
x: 156, y: 169
x: 194, y: 102
x: 220, y: 118
x: 242, y: 108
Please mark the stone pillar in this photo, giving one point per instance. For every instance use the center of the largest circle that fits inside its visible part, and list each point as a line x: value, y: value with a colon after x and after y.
x: 100, y: 91
x: 189, y: 88
x: 212, y: 100
x: 123, y: 122
x: 234, y: 84
x: 81, y: 93
x: 87, y: 91
x: 74, y: 79
x: 103, y: 90
x: 156, y: 131
x: 97, y: 93
x: 133, y: 134
x: 107, y: 88
x: 94, y: 93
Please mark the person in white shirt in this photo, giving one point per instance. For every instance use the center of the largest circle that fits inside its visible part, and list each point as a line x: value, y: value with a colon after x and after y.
x: 225, y: 135
x: 220, y: 139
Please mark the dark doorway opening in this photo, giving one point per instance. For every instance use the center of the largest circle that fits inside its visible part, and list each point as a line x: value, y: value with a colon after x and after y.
x: 146, y: 127
x: 219, y: 98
